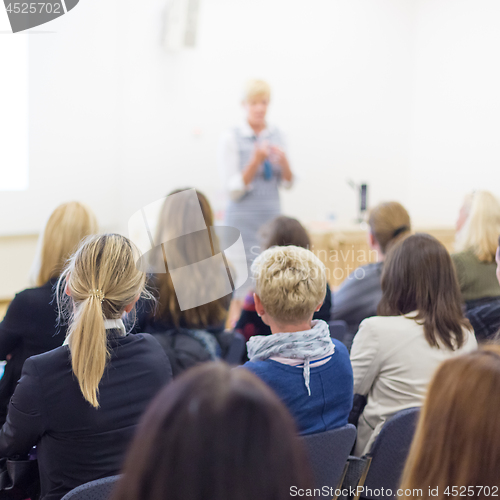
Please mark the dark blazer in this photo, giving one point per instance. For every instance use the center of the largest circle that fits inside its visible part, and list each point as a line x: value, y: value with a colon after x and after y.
x: 185, y: 346
x: 77, y: 443
x: 29, y: 328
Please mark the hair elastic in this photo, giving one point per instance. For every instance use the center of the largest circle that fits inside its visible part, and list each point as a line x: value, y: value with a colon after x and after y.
x: 400, y: 230
x: 97, y: 294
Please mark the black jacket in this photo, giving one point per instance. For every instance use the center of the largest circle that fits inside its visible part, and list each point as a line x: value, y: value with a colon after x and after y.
x: 77, y: 443
x: 184, y: 350
x: 29, y: 328
x: 183, y: 345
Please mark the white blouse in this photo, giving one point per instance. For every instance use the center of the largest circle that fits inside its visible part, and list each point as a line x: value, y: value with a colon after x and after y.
x: 392, y: 365
x: 229, y: 160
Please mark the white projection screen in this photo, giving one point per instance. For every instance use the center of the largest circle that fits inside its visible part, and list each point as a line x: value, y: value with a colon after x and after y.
x: 14, y: 108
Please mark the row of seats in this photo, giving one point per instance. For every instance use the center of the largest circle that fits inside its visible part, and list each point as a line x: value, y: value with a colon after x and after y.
x: 331, y: 462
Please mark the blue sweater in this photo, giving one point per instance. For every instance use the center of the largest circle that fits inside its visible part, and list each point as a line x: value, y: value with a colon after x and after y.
x: 331, y: 390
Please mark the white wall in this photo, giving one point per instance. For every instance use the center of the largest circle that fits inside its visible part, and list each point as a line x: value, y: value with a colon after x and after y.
x: 456, y: 105
x: 340, y: 73
x: 401, y: 94
x: 73, y: 118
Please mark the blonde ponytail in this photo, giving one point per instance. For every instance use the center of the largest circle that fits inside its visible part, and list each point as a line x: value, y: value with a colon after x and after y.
x: 102, y: 279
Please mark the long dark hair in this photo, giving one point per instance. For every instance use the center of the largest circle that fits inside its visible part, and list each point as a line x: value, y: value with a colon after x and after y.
x: 215, y: 434
x: 419, y: 276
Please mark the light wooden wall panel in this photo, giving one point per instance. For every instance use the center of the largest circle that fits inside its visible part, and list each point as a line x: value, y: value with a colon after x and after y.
x: 344, y: 250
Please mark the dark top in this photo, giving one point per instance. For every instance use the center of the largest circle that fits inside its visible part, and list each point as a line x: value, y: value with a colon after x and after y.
x: 331, y: 385
x: 28, y: 328
x: 485, y: 319
x: 76, y: 442
x: 185, y: 346
x: 358, y: 296
x: 250, y: 324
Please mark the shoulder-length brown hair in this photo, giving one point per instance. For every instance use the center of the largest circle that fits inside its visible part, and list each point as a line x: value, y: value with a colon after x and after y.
x: 284, y: 231
x: 457, y: 442
x: 168, y: 309
x: 419, y: 276
x: 215, y: 434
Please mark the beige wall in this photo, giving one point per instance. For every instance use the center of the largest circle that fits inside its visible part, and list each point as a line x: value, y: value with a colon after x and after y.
x: 343, y: 250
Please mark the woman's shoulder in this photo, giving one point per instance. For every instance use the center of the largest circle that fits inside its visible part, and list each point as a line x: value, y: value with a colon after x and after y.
x: 470, y: 341
x: 390, y: 325
x: 35, y: 296
x: 340, y: 349
x: 466, y: 257
x: 141, y: 340
x: 50, y: 361
x: 384, y: 321
x: 261, y: 367
x: 362, y: 276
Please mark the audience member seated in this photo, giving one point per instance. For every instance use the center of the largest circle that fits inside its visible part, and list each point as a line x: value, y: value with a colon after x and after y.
x: 215, y: 434
x: 485, y: 318
x: 420, y: 324
x: 281, y: 231
x: 30, y: 325
x: 79, y: 403
x: 456, y: 445
x: 359, y: 295
x: 196, y: 334
x: 478, y: 227
x: 308, y: 370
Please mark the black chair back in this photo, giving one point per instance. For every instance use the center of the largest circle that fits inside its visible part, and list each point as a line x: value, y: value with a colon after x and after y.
x: 100, y: 489
x: 328, y: 452
x: 237, y: 349
x: 389, y: 452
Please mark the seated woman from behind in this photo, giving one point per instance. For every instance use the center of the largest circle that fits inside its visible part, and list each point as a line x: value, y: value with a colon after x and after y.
x: 478, y: 228
x: 30, y: 325
x: 308, y: 370
x: 215, y: 434
x: 420, y: 324
x: 79, y: 403
x: 281, y: 231
x: 485, y: 318
x: 187, y: 321
x: 360, y: 293
x: 457, y: 442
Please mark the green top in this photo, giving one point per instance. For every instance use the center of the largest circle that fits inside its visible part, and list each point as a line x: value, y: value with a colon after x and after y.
x: 477, y: 279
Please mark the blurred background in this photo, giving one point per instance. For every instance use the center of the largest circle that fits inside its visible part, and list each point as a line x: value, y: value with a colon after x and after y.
x: 119, y: 102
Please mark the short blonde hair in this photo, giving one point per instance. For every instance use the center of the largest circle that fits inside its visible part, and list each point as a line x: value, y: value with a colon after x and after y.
x: 290, y: 282
x: 481, y: 229
x: 387, y: 221
x: 255, y: 89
